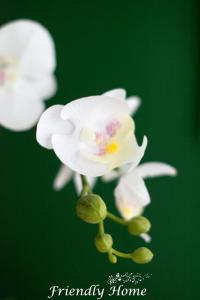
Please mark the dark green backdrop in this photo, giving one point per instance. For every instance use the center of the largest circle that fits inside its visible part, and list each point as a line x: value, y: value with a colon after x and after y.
x: 151, y: 49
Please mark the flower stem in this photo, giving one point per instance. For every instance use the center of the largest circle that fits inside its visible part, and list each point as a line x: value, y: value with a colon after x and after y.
x: 116, y: 218
x: 85, y: 186
x: 84, y: 180
x: 101, y: 228
x: 121, y: 254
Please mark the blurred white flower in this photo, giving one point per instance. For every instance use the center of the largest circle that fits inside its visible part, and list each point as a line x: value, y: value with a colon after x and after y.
x: 65, y: 173
x: 27, y: 63
x: 131, y: 194
x: 91, y: 135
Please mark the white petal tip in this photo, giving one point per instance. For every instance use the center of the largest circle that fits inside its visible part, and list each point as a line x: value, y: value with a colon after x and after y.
x: 56, y: 186
x: 119, y: 93
x: 144, y: 143
x: 62, y: 178
x: 146, y: 237
x: 134, y: 103
x: 145, y: 140
x: 173, y: 172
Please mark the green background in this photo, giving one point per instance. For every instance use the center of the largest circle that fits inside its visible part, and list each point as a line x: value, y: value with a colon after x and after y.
x: 151, y: 48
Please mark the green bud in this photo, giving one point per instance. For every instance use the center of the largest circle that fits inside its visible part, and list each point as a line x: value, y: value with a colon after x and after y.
x: 103, y: 242
x: 112, y: 258
x: 142, y: 255
x: 91, y: 209
x: 138, y: 225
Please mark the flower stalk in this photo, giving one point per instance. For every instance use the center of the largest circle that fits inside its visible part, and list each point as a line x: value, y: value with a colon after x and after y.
x: 85, y: 186
x: 92, y: 209
x: 101, y: 228
x: 121, y: 254
x: 116, y: 218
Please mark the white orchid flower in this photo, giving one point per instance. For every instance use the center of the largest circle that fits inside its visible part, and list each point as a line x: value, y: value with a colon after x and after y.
x: 65, y: 174
x: 27, y: 63
x: 91, y: 135
x: 131, y: 194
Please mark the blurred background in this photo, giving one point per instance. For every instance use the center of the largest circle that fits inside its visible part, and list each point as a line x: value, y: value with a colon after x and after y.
x: 150, y: 48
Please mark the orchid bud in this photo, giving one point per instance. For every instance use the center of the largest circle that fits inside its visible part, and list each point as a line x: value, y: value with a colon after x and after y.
x: 91, y: 209
x: 112, y: 258
x: 138, y: 225
x: 103, y: 242
x: 142, y: 255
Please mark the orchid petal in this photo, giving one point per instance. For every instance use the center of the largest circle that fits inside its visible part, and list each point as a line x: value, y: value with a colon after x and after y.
x: 136, y: 189
x: 113, y: 174
x: 133, y: 102
x: 116, y: 93
x: 51, y: 123
x: 46, y: 87
x: 19, y: 108
x: 146, y: 237
x: 84, y: 111
x: 139, y: 153
x: 154, y: 169
x: 126, y: 205
x: 131, y: 194
x: 68, y: 151
x: 32, y: 44
x: 62, y: 178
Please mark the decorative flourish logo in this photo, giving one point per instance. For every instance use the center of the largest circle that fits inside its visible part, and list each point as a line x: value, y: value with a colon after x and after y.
x: 127, y: 277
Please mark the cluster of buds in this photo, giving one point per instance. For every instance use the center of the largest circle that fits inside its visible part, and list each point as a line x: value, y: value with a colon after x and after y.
x: 92, y: 209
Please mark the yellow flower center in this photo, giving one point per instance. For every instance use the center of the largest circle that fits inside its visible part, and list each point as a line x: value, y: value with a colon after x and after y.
x: 127, y: 211
x: 112, y: 148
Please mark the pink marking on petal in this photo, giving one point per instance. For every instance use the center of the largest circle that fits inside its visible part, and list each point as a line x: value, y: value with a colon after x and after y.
x: 102, y: 151
x: 112, y: 127
x: 100, y: 137
x: 101, y: 140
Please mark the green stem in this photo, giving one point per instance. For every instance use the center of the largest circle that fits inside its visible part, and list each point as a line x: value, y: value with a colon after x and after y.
x: 84, y: 180
x: 121, y: 254
x: 85, y: 186
x: 101, y: 228
x: 116, y: 218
